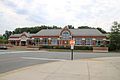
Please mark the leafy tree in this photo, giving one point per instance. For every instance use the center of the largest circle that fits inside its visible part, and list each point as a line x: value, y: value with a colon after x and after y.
x: 115, y: 37
x: 70, y: 26
x: 33, y: 29
x: 84, y: 27
x: 1, y: 37
x: 7, y: 34
x: 3, y: 40
x: 101, y: 30
x: 55, y: 27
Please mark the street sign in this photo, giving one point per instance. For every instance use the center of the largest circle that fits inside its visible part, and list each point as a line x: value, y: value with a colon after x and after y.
x: 72, y: 46
x: 72, y: 42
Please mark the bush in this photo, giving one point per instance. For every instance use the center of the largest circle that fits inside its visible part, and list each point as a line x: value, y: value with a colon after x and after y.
x: 68, y: 47
x: 55, y: 47
x: 83, y: 48
x: 2, y: 41
x: 47, y: 47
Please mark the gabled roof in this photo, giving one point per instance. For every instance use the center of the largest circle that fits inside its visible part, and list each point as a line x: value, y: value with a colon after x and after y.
x: 56, y: 32
x: 86, y: 32
x: 49, y: 32
x: 15, y: 35
x: 74, y: 32
x: 24, y: 33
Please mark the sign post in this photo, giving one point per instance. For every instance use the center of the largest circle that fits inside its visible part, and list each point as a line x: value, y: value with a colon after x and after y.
x: 72, y: 43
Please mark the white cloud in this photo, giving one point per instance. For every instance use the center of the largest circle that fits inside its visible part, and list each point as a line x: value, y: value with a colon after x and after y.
x: 94, y: 13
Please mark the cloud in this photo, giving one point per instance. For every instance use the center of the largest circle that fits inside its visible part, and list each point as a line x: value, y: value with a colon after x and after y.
x: 95, y: 13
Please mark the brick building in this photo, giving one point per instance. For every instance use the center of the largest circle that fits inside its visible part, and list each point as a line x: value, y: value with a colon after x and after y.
x: 59, y: 37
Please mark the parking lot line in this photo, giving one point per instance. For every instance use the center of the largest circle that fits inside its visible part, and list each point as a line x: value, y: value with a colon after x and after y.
x: 43, y: 59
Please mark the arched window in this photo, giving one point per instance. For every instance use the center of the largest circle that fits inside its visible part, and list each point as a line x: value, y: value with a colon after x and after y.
x: 66, y: 35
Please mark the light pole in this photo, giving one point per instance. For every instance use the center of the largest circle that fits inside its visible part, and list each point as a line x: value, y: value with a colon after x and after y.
x: 72, y: 43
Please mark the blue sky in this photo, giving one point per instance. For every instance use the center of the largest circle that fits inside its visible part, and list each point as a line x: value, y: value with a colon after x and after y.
x: 94, y: 13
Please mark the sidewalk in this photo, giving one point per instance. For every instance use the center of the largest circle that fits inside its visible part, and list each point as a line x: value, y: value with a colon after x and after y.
x: 84, y: 69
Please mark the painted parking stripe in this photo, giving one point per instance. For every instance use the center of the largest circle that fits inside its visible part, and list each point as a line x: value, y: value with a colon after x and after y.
x: 43, y: 59
x: 8, y: 52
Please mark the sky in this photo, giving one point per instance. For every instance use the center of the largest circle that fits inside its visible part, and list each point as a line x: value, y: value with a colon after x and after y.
x: 93, y: 13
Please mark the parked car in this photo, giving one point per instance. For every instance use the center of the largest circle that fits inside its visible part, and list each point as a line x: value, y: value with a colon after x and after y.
x: 3, y: 47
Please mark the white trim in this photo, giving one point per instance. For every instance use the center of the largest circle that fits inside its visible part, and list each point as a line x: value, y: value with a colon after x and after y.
x: 83, y: 38
x: 13, y: 39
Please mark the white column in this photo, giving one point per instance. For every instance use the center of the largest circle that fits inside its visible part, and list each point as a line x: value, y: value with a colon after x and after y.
x: 20, y: 43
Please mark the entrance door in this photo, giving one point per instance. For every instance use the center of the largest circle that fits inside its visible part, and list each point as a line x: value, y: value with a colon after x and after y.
x: 23, y: 43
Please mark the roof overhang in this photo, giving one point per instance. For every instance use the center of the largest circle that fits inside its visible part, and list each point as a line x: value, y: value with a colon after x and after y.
x: 13, y: 39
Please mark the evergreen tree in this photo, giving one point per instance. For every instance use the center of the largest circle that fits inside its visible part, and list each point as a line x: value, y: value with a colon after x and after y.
x: 115, y: 37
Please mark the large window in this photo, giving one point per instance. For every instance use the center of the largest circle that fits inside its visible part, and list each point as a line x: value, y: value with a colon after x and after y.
x: 99, y: 42
x: 45, y: 40
x: 88, y: 41
x: 36, y: 41
x: 78, y: 41
x: 54, y: 41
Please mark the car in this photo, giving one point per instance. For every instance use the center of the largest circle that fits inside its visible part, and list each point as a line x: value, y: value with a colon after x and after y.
x: 3, y: 47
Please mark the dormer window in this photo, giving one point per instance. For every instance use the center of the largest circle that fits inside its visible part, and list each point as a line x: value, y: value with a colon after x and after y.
x: 66, y: 35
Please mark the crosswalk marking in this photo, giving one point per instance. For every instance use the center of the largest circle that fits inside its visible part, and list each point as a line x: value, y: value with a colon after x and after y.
x: 43, y: 59
x: 8, y: 52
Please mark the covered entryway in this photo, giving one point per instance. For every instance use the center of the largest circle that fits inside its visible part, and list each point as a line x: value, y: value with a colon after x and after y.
x: 23, y: 40
x: 23, y: 43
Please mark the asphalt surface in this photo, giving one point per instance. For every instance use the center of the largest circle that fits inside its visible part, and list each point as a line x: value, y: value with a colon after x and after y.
x: 11, y: 60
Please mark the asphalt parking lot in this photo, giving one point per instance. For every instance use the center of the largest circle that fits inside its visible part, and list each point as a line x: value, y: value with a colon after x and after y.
x: 11, y: 60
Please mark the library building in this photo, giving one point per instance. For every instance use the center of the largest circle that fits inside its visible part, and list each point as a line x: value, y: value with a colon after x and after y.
x: 59, y: 37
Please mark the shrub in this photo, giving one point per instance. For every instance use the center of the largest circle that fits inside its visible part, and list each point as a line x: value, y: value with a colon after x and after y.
x: 83, y: 48
x: 2, y: 41
x: 47, y: 47
x: 68, y: 47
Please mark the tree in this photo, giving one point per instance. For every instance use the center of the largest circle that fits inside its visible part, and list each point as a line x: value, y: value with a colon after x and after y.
x: 84, y: 27
x: 70, y: 26
x: 55, y: 27
x: 115, y: 37
x: 101, y: 30
x: 7, y: 34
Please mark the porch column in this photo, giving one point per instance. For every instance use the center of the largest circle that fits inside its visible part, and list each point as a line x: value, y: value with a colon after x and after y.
x: 83, y: 41
x: 49, y: 41
x: 16, y: 43
x: 19, y: 43
x: 33, y: 43
x: 104, y: 41
x: 41, y: 41
x: 58, y: 41
x: 94, y: 41
x: 26, y: 43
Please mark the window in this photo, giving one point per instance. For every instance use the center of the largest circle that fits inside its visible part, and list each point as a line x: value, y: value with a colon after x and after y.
x: 36, y: 41
x: 78, y: 41
x: 88, y: 41
x: 65, y: 35
x: 45, y: 40
x: 99, y: 42
x: 54, y: 41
